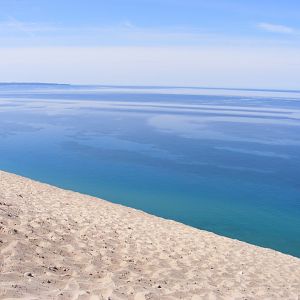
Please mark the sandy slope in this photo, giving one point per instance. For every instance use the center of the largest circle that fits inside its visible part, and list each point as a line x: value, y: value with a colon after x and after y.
x: 57, y: 244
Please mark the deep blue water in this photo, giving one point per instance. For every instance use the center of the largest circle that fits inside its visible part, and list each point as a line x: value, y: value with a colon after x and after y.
x: 220, y: 160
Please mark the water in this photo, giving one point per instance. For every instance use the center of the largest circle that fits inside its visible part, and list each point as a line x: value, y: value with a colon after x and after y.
x: 226, y: 161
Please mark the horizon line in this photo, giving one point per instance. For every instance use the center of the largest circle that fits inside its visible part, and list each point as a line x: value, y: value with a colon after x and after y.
x: 153, y: 86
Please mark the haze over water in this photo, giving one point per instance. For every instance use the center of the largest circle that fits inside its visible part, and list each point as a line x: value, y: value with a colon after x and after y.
x: 226, y: 161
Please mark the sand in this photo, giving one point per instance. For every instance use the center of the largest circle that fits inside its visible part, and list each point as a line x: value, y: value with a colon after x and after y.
x: 58, y: 244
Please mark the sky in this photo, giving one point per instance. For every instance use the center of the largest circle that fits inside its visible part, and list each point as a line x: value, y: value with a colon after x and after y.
x: 217, y: 43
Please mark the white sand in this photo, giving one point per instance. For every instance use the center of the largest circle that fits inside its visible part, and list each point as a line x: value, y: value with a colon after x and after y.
x: 57, y: 244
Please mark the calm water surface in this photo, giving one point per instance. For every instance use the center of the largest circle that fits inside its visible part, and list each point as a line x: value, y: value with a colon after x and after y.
x: 225, y: 161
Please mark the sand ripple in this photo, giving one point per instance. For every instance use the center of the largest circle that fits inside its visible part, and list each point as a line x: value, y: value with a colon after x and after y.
x: 57, y: 244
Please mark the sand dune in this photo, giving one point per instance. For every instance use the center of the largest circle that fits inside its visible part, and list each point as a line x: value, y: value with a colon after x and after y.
x: 57, y: 244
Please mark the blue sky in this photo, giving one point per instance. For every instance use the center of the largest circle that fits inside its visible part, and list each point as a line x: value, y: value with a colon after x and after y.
x: 246, y: 43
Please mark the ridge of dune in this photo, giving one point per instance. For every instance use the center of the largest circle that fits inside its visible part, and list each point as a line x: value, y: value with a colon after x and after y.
x: 59, y: 244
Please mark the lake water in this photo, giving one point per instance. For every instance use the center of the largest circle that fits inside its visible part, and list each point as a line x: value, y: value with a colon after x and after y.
x: 227, y: 161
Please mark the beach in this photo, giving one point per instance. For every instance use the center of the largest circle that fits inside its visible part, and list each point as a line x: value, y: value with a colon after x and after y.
x: 59, y: 244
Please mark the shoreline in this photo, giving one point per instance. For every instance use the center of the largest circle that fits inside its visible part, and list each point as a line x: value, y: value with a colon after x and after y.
x: 60, y: 244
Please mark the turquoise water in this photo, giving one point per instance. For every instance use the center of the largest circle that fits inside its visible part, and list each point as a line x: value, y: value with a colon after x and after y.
x: 227, y: 161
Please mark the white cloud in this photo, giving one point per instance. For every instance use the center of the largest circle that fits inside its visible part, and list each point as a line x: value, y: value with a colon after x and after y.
x: 14, y: 32
x: 13, y: 25
x: 276, y: 28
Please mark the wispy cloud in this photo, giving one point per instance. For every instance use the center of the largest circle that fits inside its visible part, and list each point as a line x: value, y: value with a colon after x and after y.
x: 276, y: 28
x: 12, y: 25
x: 14, y: 32
x: 123, y: 33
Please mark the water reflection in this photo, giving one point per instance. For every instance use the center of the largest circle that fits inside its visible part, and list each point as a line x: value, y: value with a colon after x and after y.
x: 213, y: 161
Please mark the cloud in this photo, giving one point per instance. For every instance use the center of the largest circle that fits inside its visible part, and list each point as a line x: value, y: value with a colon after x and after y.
x: 14, y: 27
x: 276, y: 28
x: 15, y: 32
